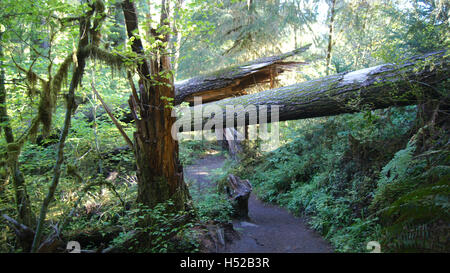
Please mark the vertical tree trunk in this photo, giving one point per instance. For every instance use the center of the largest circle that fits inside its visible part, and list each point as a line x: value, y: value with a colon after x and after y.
x: 25, y: 215
x: 159, y: 172
x: 330, y: 35
x: 75, y: 81
x: 176, y: 44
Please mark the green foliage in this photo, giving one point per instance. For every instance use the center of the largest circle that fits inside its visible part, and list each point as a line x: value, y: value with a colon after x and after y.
x: 355, y: 177
x: 358, y: 181
x: 190, y: 150
x: 397, y: 168
x: 413, y: 201
x: 228, y: 32
x: 215, y: 207
x: 417, y: 219
x: 163, y: 230
x: 211, y: 203
x: 162, y: 226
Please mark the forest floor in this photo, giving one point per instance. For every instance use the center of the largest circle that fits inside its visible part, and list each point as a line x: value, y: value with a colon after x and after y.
x: 270, y: 229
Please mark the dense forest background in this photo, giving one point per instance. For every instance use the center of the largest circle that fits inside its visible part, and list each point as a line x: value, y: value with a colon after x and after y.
x: 377, y: 175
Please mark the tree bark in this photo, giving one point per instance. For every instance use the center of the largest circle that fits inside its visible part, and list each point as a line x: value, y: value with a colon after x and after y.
x: 159, y: 172
x: 377, y: 87
x: 24, y: 233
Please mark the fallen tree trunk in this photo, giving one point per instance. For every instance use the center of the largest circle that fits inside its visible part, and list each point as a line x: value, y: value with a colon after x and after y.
x: 229, y: 82
x: 407, y: 83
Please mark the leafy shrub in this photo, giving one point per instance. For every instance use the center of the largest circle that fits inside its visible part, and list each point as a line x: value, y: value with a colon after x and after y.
x: 162, y: 227
x: 216, y: 207
x: 192, y: 149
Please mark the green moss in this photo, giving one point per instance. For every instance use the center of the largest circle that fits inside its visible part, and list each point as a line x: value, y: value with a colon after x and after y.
x: 13, y: 151
x: 115, y: 61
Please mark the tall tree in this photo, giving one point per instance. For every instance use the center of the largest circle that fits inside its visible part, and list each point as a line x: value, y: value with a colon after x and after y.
x: 176, y: 40
x: 24, y: 212
x: 159, y: 172
x: 88, y: 34
x: 330, y: 34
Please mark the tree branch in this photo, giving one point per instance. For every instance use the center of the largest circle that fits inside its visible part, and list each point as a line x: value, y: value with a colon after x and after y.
x: 114, y: 120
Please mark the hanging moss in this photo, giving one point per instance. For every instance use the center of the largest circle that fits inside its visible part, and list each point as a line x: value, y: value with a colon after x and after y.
x: 61, y: 75
x: 98, y: 18
x: 2, y: 155
x: 113, y: 60
x: 50, y: 90
x: 48, y: 99
x: 45, y: 109
x: 31, y: 77
x: 32, y: 80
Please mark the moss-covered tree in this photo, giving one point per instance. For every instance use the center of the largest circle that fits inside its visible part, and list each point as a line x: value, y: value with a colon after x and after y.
x: 159, y: 172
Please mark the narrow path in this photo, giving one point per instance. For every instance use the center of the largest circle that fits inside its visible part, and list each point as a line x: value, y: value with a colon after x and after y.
x: 200, y: 173
x: 271, y: 229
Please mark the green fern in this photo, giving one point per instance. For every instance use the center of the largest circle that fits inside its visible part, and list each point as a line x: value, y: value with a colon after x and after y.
x: 397, y: 168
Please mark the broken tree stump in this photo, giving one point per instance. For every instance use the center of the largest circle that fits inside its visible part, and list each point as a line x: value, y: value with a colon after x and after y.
x: 239, y: 192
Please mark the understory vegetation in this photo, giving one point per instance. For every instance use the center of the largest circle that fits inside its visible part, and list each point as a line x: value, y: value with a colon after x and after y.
x: 360, y: 178
x: 101, y: 167
x: 99, y: 209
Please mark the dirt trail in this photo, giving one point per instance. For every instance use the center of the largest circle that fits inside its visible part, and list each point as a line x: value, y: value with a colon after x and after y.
x: 271, y: 229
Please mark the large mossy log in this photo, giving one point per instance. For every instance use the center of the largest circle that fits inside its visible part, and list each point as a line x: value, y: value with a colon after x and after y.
x: 409, y: 82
